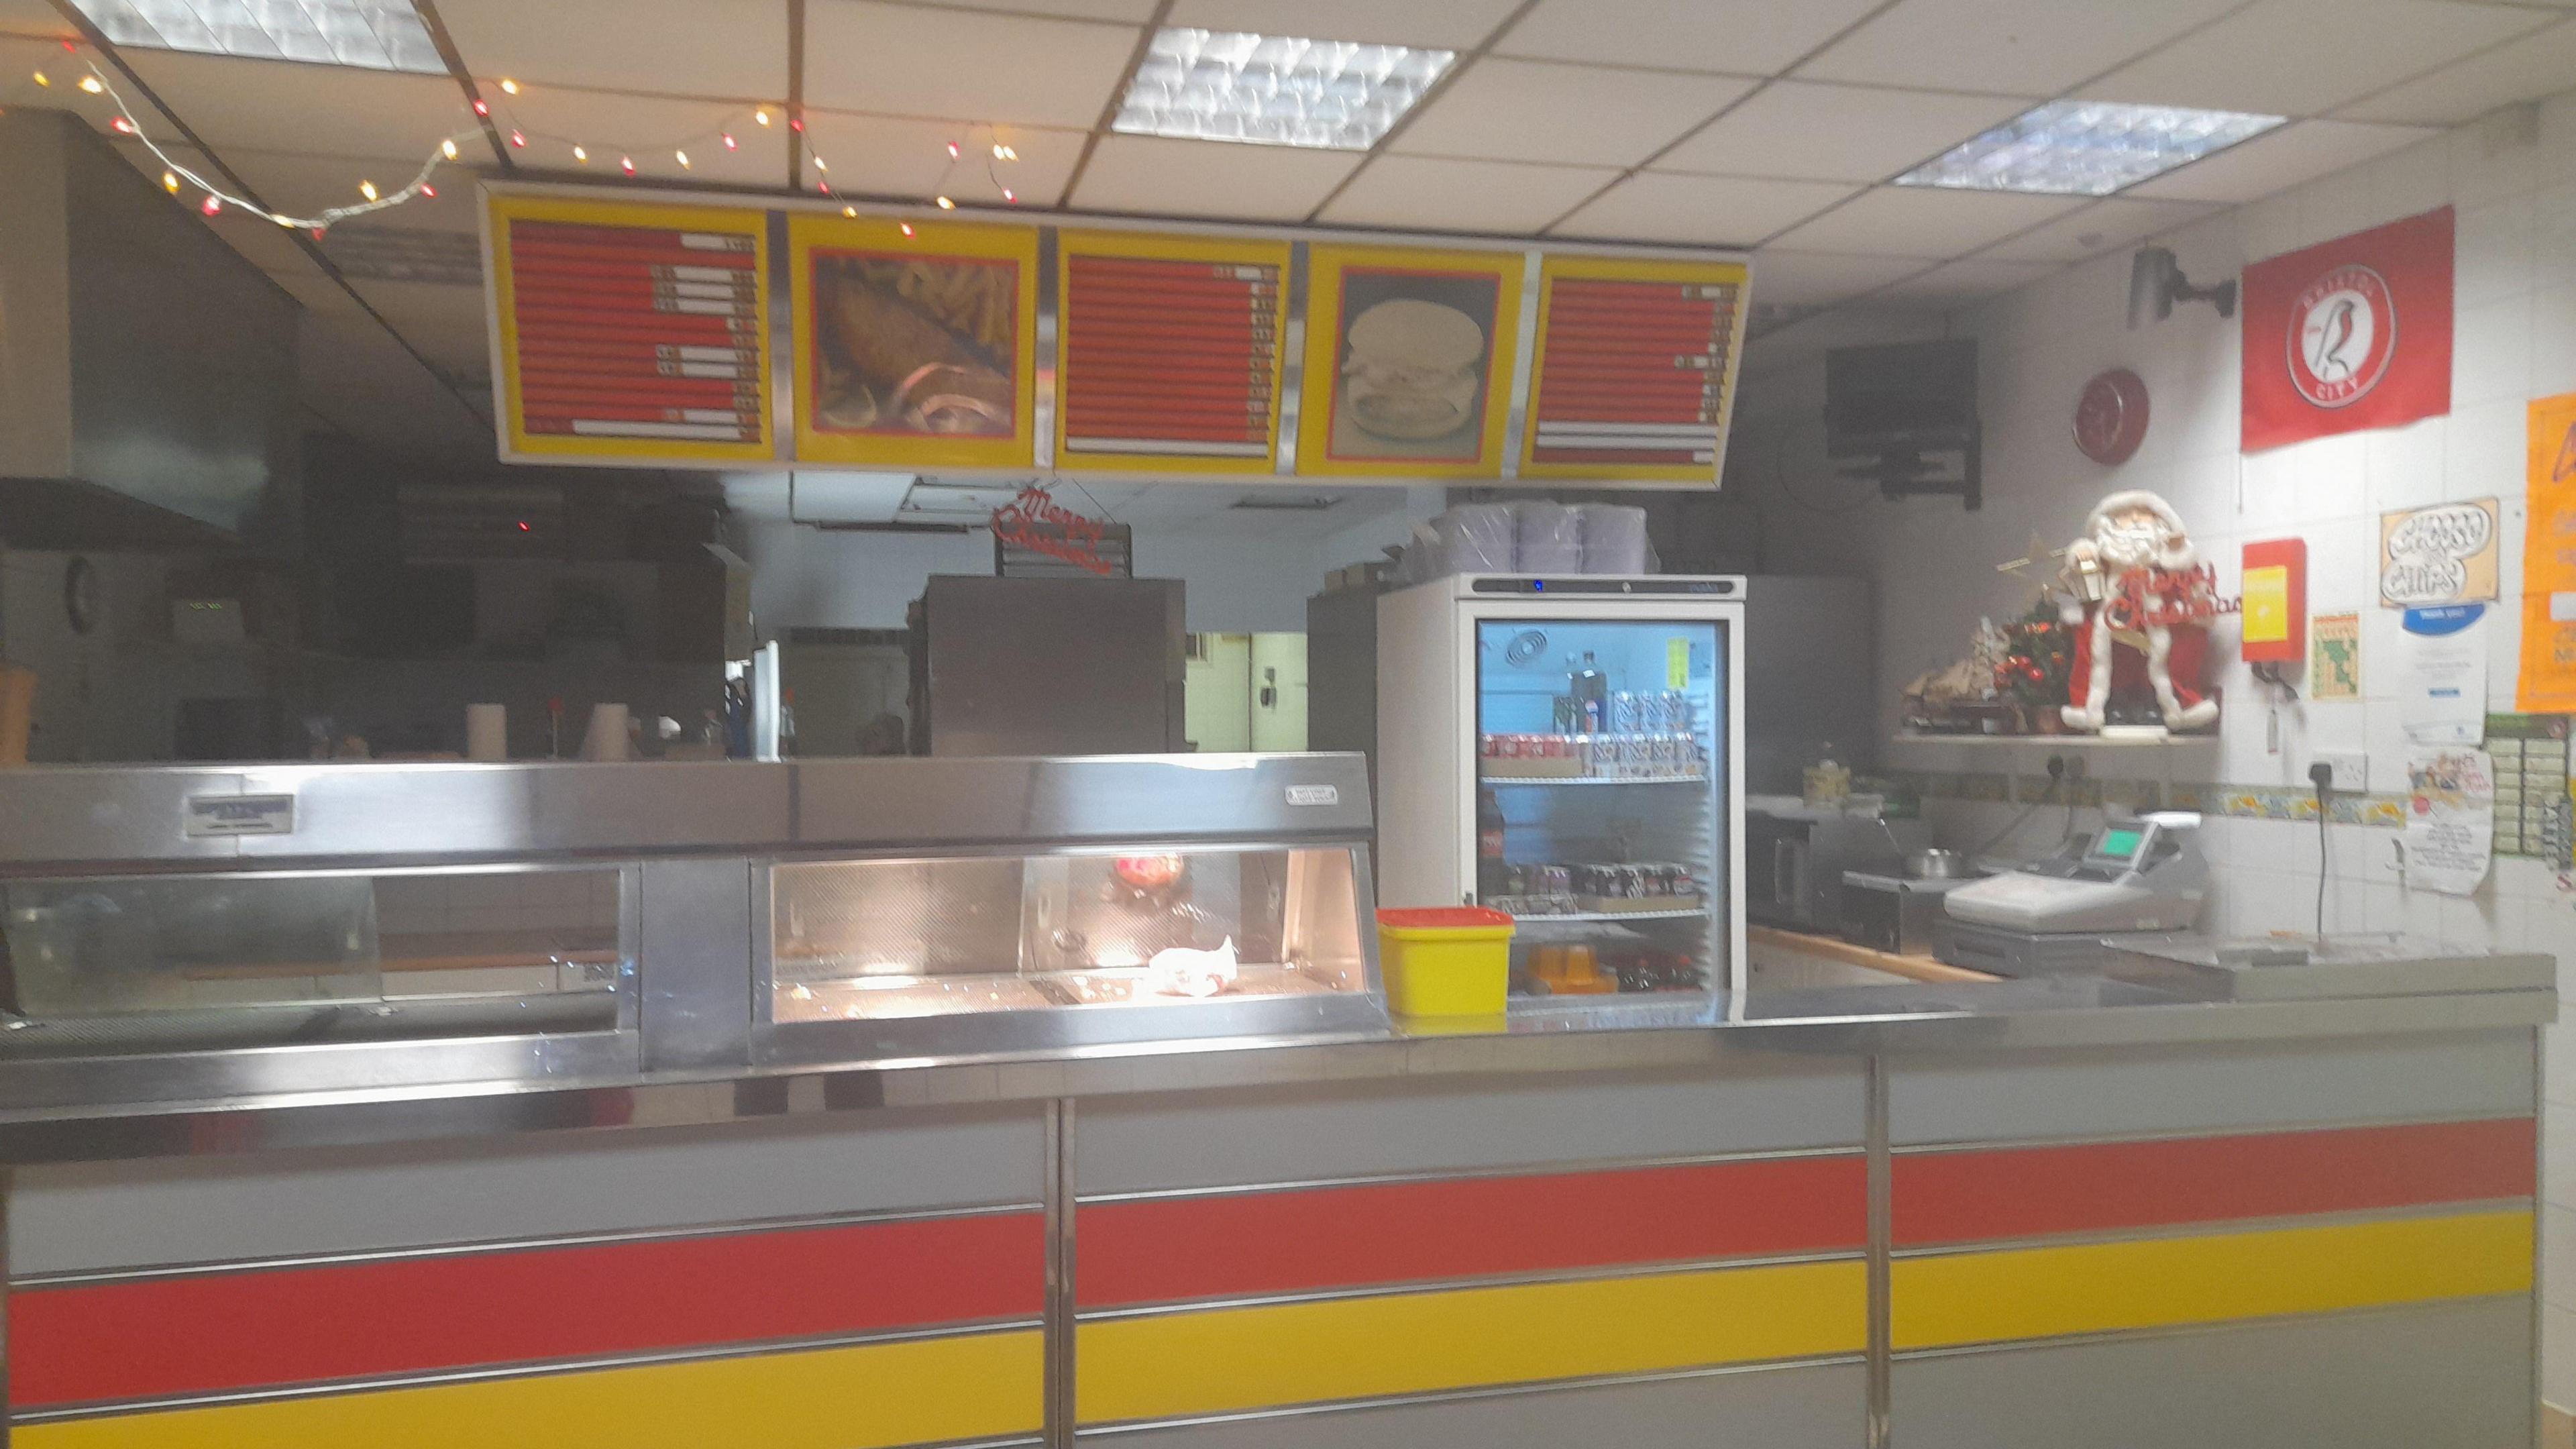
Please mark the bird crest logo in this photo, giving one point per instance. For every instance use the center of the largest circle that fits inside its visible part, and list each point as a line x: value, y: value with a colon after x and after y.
x: 2343, y: 332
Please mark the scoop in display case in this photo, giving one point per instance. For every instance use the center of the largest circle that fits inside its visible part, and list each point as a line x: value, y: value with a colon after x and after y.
x: 193, y: 933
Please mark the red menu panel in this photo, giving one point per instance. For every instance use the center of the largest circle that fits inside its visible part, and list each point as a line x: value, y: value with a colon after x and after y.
x: 1633, y: 373
x: 637, y: 332
x: 1169, y: 356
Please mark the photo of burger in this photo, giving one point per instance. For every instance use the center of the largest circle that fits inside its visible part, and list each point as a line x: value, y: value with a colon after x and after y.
x: 1415, y: 360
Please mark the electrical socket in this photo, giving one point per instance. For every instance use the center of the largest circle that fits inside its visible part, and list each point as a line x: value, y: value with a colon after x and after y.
x: 2351, y: 769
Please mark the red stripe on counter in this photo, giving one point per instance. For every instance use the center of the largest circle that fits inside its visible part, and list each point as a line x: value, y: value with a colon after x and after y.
x: 208, y: 1332
x: 2024, y: 1192
x: 1156, y: 1250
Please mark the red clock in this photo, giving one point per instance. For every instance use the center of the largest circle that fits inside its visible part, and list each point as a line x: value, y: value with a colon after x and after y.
x: 2111, y: 416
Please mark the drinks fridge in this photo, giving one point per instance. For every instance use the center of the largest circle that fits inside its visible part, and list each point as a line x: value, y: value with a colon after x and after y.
x: 1570, y: 750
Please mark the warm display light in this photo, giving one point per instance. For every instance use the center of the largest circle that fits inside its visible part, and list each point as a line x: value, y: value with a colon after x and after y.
x: 447, y: 149
x: 509, y: 87
x: 2086, y: 148
x: 371, y: 34
x: 367, y: 189
x: 1274, y: 90
x: 92, y: 84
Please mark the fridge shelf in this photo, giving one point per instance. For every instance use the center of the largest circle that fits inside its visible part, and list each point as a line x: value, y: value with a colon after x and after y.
x: 1592, y: 779
x: 1619, y: 915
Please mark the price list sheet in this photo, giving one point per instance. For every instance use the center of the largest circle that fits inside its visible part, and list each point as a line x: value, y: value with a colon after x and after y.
x: 1171, y: 358
x: 1633, y: 374
x: 636, y: 340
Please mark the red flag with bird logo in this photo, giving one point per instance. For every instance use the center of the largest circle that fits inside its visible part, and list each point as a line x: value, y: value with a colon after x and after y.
x: 2350, y: 334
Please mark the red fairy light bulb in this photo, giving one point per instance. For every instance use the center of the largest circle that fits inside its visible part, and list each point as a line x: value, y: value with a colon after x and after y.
x: 1010, y: 196
x: 796, y: 123
x: 482, y: 107
x: 519, y: 138
x: 627, y: 163
x: 121, y: 126
x: 211, y: 205
x: 730, y: 143
x: 429, y: 191
x: 952, y: 150
x: 907, y: 228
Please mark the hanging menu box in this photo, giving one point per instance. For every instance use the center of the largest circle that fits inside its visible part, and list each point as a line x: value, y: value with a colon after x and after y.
x: 1636, y: 365
x: 1171, y: 352
x: 631, y: 332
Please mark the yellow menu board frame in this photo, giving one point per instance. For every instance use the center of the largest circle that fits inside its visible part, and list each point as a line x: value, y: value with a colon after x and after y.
x: 1327, y: 274
x: 517, y: 443
x: 1166, y: 246
x: 808, y: 234
x: 1555, y: 266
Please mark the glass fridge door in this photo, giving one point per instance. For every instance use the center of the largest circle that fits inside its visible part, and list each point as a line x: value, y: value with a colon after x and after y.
x: 1600, y: 764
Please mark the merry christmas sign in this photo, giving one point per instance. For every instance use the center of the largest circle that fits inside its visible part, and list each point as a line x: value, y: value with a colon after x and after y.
x: 2351, y: 334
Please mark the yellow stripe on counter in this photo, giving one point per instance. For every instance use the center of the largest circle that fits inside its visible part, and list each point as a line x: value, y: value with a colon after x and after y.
x: 1222, y: 1360
x: 867, y: 1396
x: 2104, y: 1287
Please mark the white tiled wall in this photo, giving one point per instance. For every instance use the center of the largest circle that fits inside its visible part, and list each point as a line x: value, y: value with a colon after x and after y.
x: 2513, y: 180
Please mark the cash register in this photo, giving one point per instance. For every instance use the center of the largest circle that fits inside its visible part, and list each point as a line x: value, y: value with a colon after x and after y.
x: 2068, y: 911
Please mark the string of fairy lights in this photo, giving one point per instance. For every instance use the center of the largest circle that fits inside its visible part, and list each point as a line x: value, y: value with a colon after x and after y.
x: 991, y: 154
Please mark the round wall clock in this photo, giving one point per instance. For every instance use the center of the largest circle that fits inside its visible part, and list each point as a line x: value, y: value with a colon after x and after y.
x: 2111, y: 416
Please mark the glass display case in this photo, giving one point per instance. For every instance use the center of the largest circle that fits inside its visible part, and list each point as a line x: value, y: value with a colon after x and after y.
x: 1064, y: 948
x: 118, y: 965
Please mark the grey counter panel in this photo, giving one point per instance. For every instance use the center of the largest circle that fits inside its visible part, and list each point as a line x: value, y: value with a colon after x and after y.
x: 226, y: 1209
x: 2456, y: 1377
x: 2113, y: 1091
x: 1816, y: 1407
x: 1299, y: 1133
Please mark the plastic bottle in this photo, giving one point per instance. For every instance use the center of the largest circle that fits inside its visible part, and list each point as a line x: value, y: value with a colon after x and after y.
x: 1489, y: 846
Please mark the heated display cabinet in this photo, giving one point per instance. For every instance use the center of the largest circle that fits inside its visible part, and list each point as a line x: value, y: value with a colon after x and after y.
x: 1571, y: 751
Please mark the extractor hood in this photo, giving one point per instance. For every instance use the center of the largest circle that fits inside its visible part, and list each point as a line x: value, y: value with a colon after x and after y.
x: 147, y: 371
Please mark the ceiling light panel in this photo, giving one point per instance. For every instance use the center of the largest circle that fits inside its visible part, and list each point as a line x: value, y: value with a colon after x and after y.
x: 2085, y: 148
x: 371, y: 34
x: 1274, y: 90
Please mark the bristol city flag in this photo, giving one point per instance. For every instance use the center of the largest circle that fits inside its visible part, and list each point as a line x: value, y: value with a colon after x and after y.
x: 2354, y: 333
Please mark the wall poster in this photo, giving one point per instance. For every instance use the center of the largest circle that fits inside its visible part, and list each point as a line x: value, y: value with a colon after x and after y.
x: 2441, y: 554
x: 2450, y: 819
x: 2349, y: 334
x: 2334, y: 658
x: 628, y: 333
x: 1409, y: 358
x: 916, y: 342
x: 1169, y: 352
x: 1635, y: 368
x: 2547, y: 683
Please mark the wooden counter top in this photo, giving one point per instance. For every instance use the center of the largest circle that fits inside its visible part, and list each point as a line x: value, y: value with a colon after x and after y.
x: 1835, y: 948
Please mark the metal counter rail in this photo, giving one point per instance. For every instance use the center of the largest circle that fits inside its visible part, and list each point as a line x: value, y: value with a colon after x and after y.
x: 1857, y: 1022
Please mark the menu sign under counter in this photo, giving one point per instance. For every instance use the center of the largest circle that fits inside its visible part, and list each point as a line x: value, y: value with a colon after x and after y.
x: 629, y: 332
x: 1170, y: 350
x: 1635, y: 368
x: 916, y: 342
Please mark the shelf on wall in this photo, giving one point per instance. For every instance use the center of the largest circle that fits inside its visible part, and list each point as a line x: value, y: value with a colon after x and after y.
x: 2059, y: 742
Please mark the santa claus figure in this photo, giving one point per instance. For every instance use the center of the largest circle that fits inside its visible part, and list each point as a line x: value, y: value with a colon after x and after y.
x: 2143, y: 602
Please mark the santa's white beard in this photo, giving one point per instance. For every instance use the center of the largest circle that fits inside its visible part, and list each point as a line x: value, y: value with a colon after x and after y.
x: 2132, y: 548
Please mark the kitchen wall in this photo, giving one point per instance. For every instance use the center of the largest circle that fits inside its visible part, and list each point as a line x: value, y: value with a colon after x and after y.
x: 2512, y: 179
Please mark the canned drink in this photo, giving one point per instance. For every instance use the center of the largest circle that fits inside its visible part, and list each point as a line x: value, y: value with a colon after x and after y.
x: 1636, y: 757
x: 1677, y: 712
x: 1568, y: 715
x: 1623, y: 713
x: 1655, y: 714
x: 1600, y: 755
x: 1661, y: 752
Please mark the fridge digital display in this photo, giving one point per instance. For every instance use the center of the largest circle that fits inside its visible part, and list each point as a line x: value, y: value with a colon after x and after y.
x: 1601, y: 761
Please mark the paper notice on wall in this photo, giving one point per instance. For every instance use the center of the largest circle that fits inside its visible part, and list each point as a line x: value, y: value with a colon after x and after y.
x: 2443, y: 675
x: 2450, y: 819
x: 2548, y: 678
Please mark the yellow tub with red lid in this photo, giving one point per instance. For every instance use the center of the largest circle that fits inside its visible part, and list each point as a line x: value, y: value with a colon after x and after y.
x: 1445, y: 960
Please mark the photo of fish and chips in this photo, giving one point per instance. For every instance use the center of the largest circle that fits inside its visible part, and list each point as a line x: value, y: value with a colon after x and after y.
x: 917, y: 345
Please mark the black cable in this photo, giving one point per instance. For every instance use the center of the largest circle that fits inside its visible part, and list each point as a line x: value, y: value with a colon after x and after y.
x: 2321, y: 775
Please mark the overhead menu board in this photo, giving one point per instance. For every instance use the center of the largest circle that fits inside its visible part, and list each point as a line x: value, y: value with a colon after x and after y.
x: 1635, y: 368
x: 1169, y: 351
x: 916, y: 342
x: 1409, y: 358
x: 629, y: 332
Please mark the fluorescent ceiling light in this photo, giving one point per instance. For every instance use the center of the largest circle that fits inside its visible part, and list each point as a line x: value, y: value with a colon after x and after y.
x: 374, y: 34
x: 1274, y: 90
x: 2086, y: 148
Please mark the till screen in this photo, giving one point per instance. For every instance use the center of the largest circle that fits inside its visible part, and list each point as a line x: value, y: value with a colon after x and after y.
x: 2118, y: 844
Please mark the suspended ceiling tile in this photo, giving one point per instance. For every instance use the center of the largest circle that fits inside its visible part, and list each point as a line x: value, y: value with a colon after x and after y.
x: 653, y: 130
x: 1134, y: 12
x: 289, y: 106
x: 1836, y: 133
x: 2519, y: 70
x: 2105, y: 226
x: 2278, y: 160
x: 1521, y: 110
x: 2303, y: 57
x: 1738, y: 37
x: 1722, y: 211
x: 884, y: 156
x: 1814, y: 278
x: 1154, y: 175
x: 32, y: 17
x: 1440, y: 195
x: 735, y: 48
x: 961, y: 65
x: 1445, y: 24
x: 2005, y: 47
x: 1968, y: 280
x: 1916, y: 221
